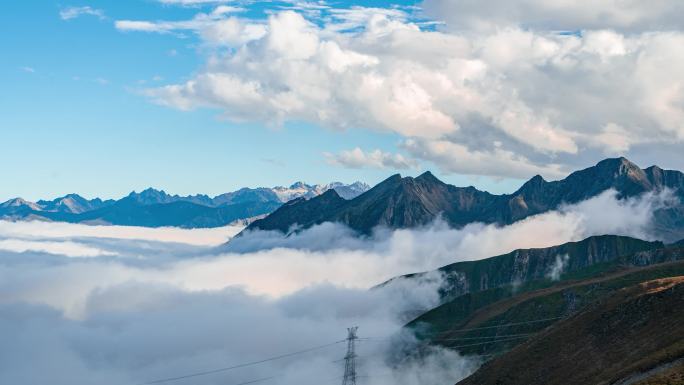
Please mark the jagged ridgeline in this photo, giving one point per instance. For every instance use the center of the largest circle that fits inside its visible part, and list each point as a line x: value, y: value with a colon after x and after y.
x: 154, y: 208
x: 395, y: 203
x: 409, y: 202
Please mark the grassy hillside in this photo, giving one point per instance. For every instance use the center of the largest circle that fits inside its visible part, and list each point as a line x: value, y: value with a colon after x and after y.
x: 628, y: 335
x: 490, y: 316
x: 664, y: 375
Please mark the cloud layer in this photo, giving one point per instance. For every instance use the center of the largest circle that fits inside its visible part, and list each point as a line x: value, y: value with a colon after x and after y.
x: 148, y: 304
x: 625, y: 16
x: 500, y: 93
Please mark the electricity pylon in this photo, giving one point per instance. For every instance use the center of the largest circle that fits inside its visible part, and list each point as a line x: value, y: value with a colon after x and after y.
x: 350, y: 358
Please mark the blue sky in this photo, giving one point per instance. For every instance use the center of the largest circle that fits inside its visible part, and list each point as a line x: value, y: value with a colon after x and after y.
x: 105, y: 97
x: 73, y: 120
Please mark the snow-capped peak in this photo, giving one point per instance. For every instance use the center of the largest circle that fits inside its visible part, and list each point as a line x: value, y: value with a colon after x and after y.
x: 19, y: 202
x: 303, y: 190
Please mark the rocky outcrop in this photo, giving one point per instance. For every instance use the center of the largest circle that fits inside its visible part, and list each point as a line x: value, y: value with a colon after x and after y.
x: 525, y: 265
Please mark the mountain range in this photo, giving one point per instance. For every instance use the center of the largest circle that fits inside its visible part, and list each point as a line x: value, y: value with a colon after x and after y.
x: 154, y: 208
x: 405, y: 202
x: 396, y: 202
x: 602, y: 310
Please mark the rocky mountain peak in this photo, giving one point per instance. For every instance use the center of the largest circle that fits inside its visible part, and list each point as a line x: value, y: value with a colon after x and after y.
x: 20, y: 202
x: 150, y: 196
x: 152, y: 192
x: 299, y: 185
x: 535, y: 184
x: 617, y: 167
x: 428, y: 177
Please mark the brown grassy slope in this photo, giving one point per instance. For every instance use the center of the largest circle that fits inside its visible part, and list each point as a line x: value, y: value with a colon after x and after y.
x: 672, y: 376
x: 482, y: 309
x: 632, y: 331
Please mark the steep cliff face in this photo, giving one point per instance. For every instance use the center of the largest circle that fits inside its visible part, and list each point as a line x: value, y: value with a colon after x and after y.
x: 409, y: 202
x: 526, y: 265
x: 479, y: 300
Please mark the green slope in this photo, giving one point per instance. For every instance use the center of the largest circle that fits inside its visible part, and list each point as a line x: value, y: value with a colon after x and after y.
x: 539, y: 299
x: 630, y: 333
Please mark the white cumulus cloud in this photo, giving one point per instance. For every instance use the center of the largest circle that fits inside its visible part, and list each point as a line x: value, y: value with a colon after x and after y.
x: 357, y: 158
x: 497, y: 82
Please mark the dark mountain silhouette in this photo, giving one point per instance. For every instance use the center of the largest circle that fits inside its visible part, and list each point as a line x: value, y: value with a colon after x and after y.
x: 409, y: 202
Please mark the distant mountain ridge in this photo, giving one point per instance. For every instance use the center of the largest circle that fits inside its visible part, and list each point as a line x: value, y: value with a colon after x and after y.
x: 260, y: 194
x: 155, y: 208
x: 409, y: 202
x: 72, y: 203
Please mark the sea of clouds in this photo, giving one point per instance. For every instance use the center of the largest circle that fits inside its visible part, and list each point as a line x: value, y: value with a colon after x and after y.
x: 125, y: 305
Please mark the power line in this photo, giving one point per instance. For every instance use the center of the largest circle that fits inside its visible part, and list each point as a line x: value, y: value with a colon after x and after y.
x: 255, y: 381
x: 204, y: 373
x: 246, y: 364
x: 471, y: 329
x: 488, y: 342
x: 350, y: 358
x: 495, y: 326
x: 453, y: 339
x: 486, y: 337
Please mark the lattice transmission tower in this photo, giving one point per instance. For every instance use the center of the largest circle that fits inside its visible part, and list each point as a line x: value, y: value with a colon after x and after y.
x: 350, y: 358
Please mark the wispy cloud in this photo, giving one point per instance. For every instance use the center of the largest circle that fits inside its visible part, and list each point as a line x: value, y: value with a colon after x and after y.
x: 357, y: 158
x: 70, y: 13
x: 558, y: 267
x: 67, y: 248
x: 218, y: 27
x: 273, y: 162
x: 101, y: 81
x: 28, y: 69
x: 195, y: 2
x: 144, y: 26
